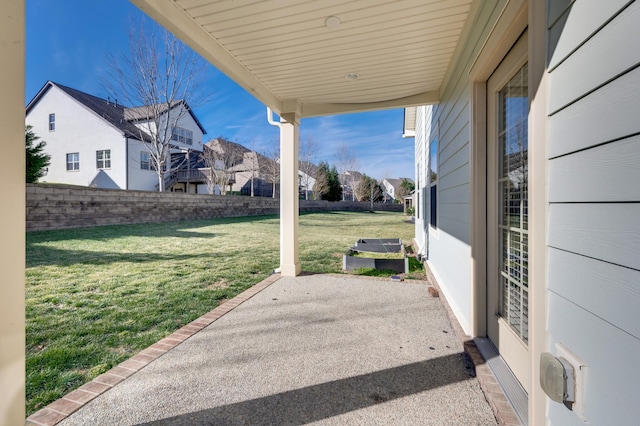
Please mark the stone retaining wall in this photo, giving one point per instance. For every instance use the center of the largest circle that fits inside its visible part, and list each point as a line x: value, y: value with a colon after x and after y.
x: 57, y: 207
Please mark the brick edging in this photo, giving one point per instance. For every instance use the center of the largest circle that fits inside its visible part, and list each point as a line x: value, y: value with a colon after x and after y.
x: 62, y: 408
x: 502, y: 409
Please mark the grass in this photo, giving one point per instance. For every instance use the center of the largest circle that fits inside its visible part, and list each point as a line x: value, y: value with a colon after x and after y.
x: 372, y: 272
x: 372, y: 255
x: 97, y: 296
x: 416, y: 270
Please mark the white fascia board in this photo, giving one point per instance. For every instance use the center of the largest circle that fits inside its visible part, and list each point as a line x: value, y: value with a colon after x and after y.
x: 424, y: 98
x: 409, y: 127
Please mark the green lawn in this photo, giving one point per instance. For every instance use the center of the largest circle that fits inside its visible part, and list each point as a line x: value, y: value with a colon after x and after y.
x: 97, y: 296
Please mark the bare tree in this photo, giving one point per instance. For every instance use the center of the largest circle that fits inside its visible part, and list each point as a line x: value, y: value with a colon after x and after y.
x: 346, y: 161
x: 271, y: 167
x: 368, y: 189
x: 220, y: 156
x: 160, y: 74
x: 308, y: 150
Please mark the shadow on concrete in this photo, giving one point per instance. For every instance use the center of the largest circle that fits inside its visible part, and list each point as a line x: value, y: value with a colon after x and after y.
x: 325, y: 400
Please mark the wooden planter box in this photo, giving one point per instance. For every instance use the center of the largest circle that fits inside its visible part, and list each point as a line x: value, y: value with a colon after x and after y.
x: 379, y: 245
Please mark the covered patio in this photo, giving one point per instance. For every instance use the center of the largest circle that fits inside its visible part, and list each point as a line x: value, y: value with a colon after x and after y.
x: 321, y: 349
x: 305, y: 59
x: 324, y: 355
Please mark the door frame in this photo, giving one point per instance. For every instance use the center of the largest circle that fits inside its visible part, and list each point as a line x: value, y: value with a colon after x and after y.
x: 510, y: 346
x: 511, y: 24
x: 513, y: 19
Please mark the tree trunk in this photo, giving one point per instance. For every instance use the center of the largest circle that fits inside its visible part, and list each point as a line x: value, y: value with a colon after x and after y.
x: 160, y: 182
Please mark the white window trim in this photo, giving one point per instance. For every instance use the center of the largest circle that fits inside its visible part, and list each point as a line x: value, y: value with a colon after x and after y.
x: 148, y: 161
x: 182, y: 135
x: 104, y: 159
x: 72, y: 162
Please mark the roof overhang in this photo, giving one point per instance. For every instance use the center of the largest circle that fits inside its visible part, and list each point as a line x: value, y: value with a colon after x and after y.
x: 409, y: 128
x: 323, y: 57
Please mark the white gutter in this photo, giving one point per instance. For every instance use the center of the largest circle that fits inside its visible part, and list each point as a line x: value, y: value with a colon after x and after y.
x: 270, y: 118
x: 271, y: 121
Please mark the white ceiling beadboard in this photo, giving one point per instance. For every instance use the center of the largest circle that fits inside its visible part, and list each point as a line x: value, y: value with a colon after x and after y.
x: 284, y: 54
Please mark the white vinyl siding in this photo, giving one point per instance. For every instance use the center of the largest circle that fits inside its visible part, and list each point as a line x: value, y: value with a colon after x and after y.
x: 594, y: 195
x: 139, y: 177
x: 448, y: 247
x: 78, y: 130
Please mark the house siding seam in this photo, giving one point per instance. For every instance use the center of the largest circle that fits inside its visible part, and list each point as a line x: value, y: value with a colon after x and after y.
x: 594, y: 204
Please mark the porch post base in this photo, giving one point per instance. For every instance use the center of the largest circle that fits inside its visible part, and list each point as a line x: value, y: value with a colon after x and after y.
x: 290, y: 270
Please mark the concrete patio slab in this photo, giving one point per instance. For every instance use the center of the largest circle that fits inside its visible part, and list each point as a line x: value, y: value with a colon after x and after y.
x: 314, y: 349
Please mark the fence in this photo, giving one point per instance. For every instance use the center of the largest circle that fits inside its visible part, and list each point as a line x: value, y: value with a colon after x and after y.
x: 59, y: 207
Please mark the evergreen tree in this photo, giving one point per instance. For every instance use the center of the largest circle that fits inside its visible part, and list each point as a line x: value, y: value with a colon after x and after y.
x: 327, y: 185
x: 335, y: 187
x: 37, y: 160
x: 405, y: 189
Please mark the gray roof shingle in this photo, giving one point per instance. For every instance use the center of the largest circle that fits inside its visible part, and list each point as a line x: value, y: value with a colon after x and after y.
x: 107, y: 110
x: 116, y: 114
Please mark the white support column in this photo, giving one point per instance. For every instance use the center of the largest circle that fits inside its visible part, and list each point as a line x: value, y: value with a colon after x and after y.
x: 289, y: 257
x: 12, y: 249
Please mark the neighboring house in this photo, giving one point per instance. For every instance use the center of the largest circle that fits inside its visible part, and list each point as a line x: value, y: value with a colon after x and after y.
x: 349, y: 180
x: 97, y: 142
x: 392, y: 187
x: 307, y: 177
x: 188, y: 173
x: 246, y: 168
x: 242, y: 164
x: 251, y: 175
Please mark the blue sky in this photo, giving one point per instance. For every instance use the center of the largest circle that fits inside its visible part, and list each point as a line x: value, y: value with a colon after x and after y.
x: 67, y: 41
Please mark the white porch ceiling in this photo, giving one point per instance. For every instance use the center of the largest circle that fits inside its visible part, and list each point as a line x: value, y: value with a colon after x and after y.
x: 282, y: 52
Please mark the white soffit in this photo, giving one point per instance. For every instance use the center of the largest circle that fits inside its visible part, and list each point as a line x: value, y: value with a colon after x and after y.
x: 376, y: 54
x: 409, y: 129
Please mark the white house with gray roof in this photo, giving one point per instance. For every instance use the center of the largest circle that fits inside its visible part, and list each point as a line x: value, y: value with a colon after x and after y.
x: 98, y: 142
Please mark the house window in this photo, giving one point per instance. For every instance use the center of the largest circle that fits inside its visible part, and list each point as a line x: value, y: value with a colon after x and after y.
x: 103, y: 159
x: 145, y: 160
x: 52, y: 122
x: 513, y: 222
x: 433, y: 183
x: 73, y: 161
x: 181, y: 135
